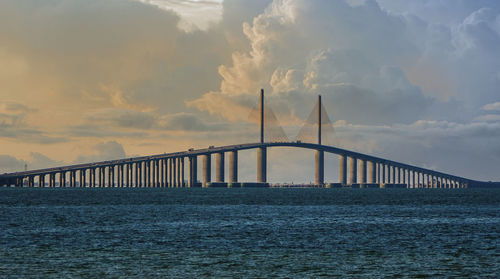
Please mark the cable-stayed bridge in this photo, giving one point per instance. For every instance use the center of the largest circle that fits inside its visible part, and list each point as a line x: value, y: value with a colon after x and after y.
x: 169, y: 170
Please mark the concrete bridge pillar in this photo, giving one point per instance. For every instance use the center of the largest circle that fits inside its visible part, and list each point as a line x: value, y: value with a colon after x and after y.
x: 92, y: 177
x: 379, y: 173
x: 383, y: 178
x: 405, y: 178
x: 156, y: 164
x: 52, y: 180
x: 371, y: 172
x: 193, y: 171
x: 206, y: 171
x: 219, y: 167
x: 162, y: 174
x: 362, y: 171
x: 149, y: 176
x: 111, y: 176
x: 135, y: 176
x: 262, y: 164
x: 82, y: 178
x: 393, y: 174
x: 181, y: 171
x: 319, y: 175
x: 174, y: 172
x: 343, y: 169
x: 127, y: 175
x: 398, y: 175
x: 170, y: 173
x: 152, y: 165
x: 353, y: 170
x: 233, y: 166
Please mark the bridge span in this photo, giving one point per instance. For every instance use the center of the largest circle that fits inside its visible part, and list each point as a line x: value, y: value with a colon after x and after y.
x: 167, y: 170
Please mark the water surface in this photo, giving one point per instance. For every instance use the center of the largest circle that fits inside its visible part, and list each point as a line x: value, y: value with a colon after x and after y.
x: 300, y: 233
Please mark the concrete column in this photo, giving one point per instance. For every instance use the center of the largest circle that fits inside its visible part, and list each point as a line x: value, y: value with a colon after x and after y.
x: 92, y: 177
x: 262, y: 165
x: 152, y: 166
x: 379, y: 173
x: 233, y: 166
x: 140, y: 173
x: 343, y: 169
x: 193, y: 171
x: 157, y: 172
x: 405, y: 178
x: 127, y: 175
x: 372, y: 175
x: 393, y: 174
x: 166, y: 170
x: 353, y: 170
x: 162, y: 175
x: 111, y: 176
x: 398, y: 175
x: 149, y: 176
x: 219, y: 167
x: 170, y: 173
x: 319, y: 164
x: 362, y: 171
x: 178, y: 174
x: 206, y: 171
x: 384, y: 181
x: 181, y: 165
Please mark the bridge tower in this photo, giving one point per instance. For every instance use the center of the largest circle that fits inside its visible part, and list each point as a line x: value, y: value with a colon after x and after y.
x: 319, y: 156
x: 262, y: 151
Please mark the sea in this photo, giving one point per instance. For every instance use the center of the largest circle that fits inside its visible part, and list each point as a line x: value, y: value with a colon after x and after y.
x: 249, y: 233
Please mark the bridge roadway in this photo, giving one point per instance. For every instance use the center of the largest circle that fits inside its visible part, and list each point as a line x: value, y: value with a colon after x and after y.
x: 168, y: 169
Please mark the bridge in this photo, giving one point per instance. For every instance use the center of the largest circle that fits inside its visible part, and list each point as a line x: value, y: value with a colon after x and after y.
x: 168, y: 169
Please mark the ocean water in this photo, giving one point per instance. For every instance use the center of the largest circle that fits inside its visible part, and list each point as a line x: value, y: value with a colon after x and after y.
x: 248, y: 233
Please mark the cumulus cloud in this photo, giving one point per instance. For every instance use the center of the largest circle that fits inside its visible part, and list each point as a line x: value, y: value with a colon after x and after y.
x: 492, y: 107
x: 195, y: 15
x: 36, y: 161
x: 13, y: 125
x: 300, y: 49
x: 103, y: 151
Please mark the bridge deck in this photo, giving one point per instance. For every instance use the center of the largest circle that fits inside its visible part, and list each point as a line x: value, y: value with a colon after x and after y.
x: 246, y: 146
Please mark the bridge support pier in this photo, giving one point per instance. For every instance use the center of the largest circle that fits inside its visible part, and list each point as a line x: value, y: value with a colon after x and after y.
x: 362, y: 171
x: 181, y: 172
x: 371, y: 172
x: 206, y: 171
x: 343, y: 169
x: 193, y: 171
x: 233, y: 166
x: 319, y: 167
x: 353, y: 170
x: 262, y: 165
x: 219, y: 167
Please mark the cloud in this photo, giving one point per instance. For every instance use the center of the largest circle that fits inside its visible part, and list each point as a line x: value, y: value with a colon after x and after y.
x: 187, y: 122
x: 194, y: 15
x: 13, y: 125
x: 103, y: 151
x: 492, y: 107
x: 125, y: 118
x: 36, y: 161
x: 310, y: 49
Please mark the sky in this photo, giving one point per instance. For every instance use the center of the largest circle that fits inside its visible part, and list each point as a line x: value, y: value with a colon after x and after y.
x: 414, y: 81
